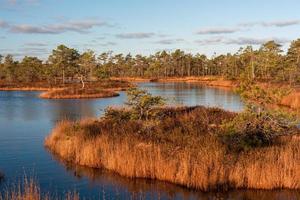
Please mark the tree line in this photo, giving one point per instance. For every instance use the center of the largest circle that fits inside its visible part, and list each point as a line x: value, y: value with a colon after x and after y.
x: 268, y: 63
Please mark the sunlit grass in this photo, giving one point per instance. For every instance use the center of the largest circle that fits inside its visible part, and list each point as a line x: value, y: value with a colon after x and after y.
x: 78, y: 93
x: 30, y: 190
x: 182, y: 147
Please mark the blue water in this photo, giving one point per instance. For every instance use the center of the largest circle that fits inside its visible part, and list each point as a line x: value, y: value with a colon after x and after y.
x: 25, y: 121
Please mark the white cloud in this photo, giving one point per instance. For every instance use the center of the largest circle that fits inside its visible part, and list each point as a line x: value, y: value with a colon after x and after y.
x: 35, y: 44
x: 215, y: 31
x: 170, y: 41
x: 240, y: 41
x: 3, y: 24
x: 271, y: 23
x: 79, y: 26
x: 210, y: 41
x: 254, y: 41
x: 20, y: 2
x: 138, y: 35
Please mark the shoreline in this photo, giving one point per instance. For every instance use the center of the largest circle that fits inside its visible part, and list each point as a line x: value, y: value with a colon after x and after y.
x: 213, y: 81
x: 198, y: 161
x: 99, y: 89
x: 291, y: 101
x: 25, y: 89
x: 57, y: 94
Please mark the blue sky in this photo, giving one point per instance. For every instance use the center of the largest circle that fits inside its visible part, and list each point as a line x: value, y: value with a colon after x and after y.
x: 35, y: 27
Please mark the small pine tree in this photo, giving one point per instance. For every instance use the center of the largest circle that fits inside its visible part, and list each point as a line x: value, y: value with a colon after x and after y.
x: 143, y: 103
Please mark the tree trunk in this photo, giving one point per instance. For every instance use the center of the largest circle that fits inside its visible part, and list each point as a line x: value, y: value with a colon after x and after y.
x: 182, y: 67
x: 189, y: 68
x: 252, y: 68
x: 165, y: 70
x: 82, y: 82
x: 63, y: 76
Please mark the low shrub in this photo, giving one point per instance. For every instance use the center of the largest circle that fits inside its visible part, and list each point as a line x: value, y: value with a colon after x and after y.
x: 117, y: 114
x: 143, y: 104
x: 256, y: 128
x: 262, y: 94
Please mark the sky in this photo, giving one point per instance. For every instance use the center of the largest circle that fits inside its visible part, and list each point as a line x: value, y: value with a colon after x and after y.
x: 35, y: 27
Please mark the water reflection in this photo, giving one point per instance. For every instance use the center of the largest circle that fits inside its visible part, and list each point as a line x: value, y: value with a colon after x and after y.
x: 195, y: 94
x: 71, y: 109
x: 26, y: 106
x: 25, y: 120
x: 114, y: 186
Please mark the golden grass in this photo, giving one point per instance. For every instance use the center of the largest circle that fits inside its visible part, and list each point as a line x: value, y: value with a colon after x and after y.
x: 33, y: 86
x: 214, y: 81
x: 181, y: 149
x: 45, y: 86
x: 131, y: 79
x: 168, y: 190
x: 103, y: 89
x: 207, y: 80
x: 138, y: 188
x: 292, y: 100
x: 75, y: 93
x: 29, y: 190
x: 99, y: 89
x: 23, y: 89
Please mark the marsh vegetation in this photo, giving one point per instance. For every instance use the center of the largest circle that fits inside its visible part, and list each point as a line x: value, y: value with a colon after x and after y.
x: 28, y: 189
x: 103, y: 89
x: 198, y: 147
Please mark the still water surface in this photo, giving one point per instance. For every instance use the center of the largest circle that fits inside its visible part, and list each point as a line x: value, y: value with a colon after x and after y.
x: 25, y: 121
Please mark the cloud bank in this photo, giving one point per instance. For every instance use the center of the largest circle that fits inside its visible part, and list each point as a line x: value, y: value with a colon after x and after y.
x: 138, y: 35
x: 3, y: 24
x: 215, y: 31
x: 279, y: 24
x: 240, y: 41
x: 169, y: 41
x: 79, y: 26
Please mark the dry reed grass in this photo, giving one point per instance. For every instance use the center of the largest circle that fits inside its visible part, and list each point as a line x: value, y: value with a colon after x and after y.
x: 29, y: 190
x: 181, y: 149
x: 114, y: 85
x: 168, y: 190
x: 75, y: 93
x: 292, y: 100
x: 100, y: 89
x: 214, y: 81
x: 24, y: 89
x: 34, y: 86
x: 131, y: 79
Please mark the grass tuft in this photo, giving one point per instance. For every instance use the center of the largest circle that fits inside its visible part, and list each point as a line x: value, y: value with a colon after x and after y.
x: 29, y: 190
